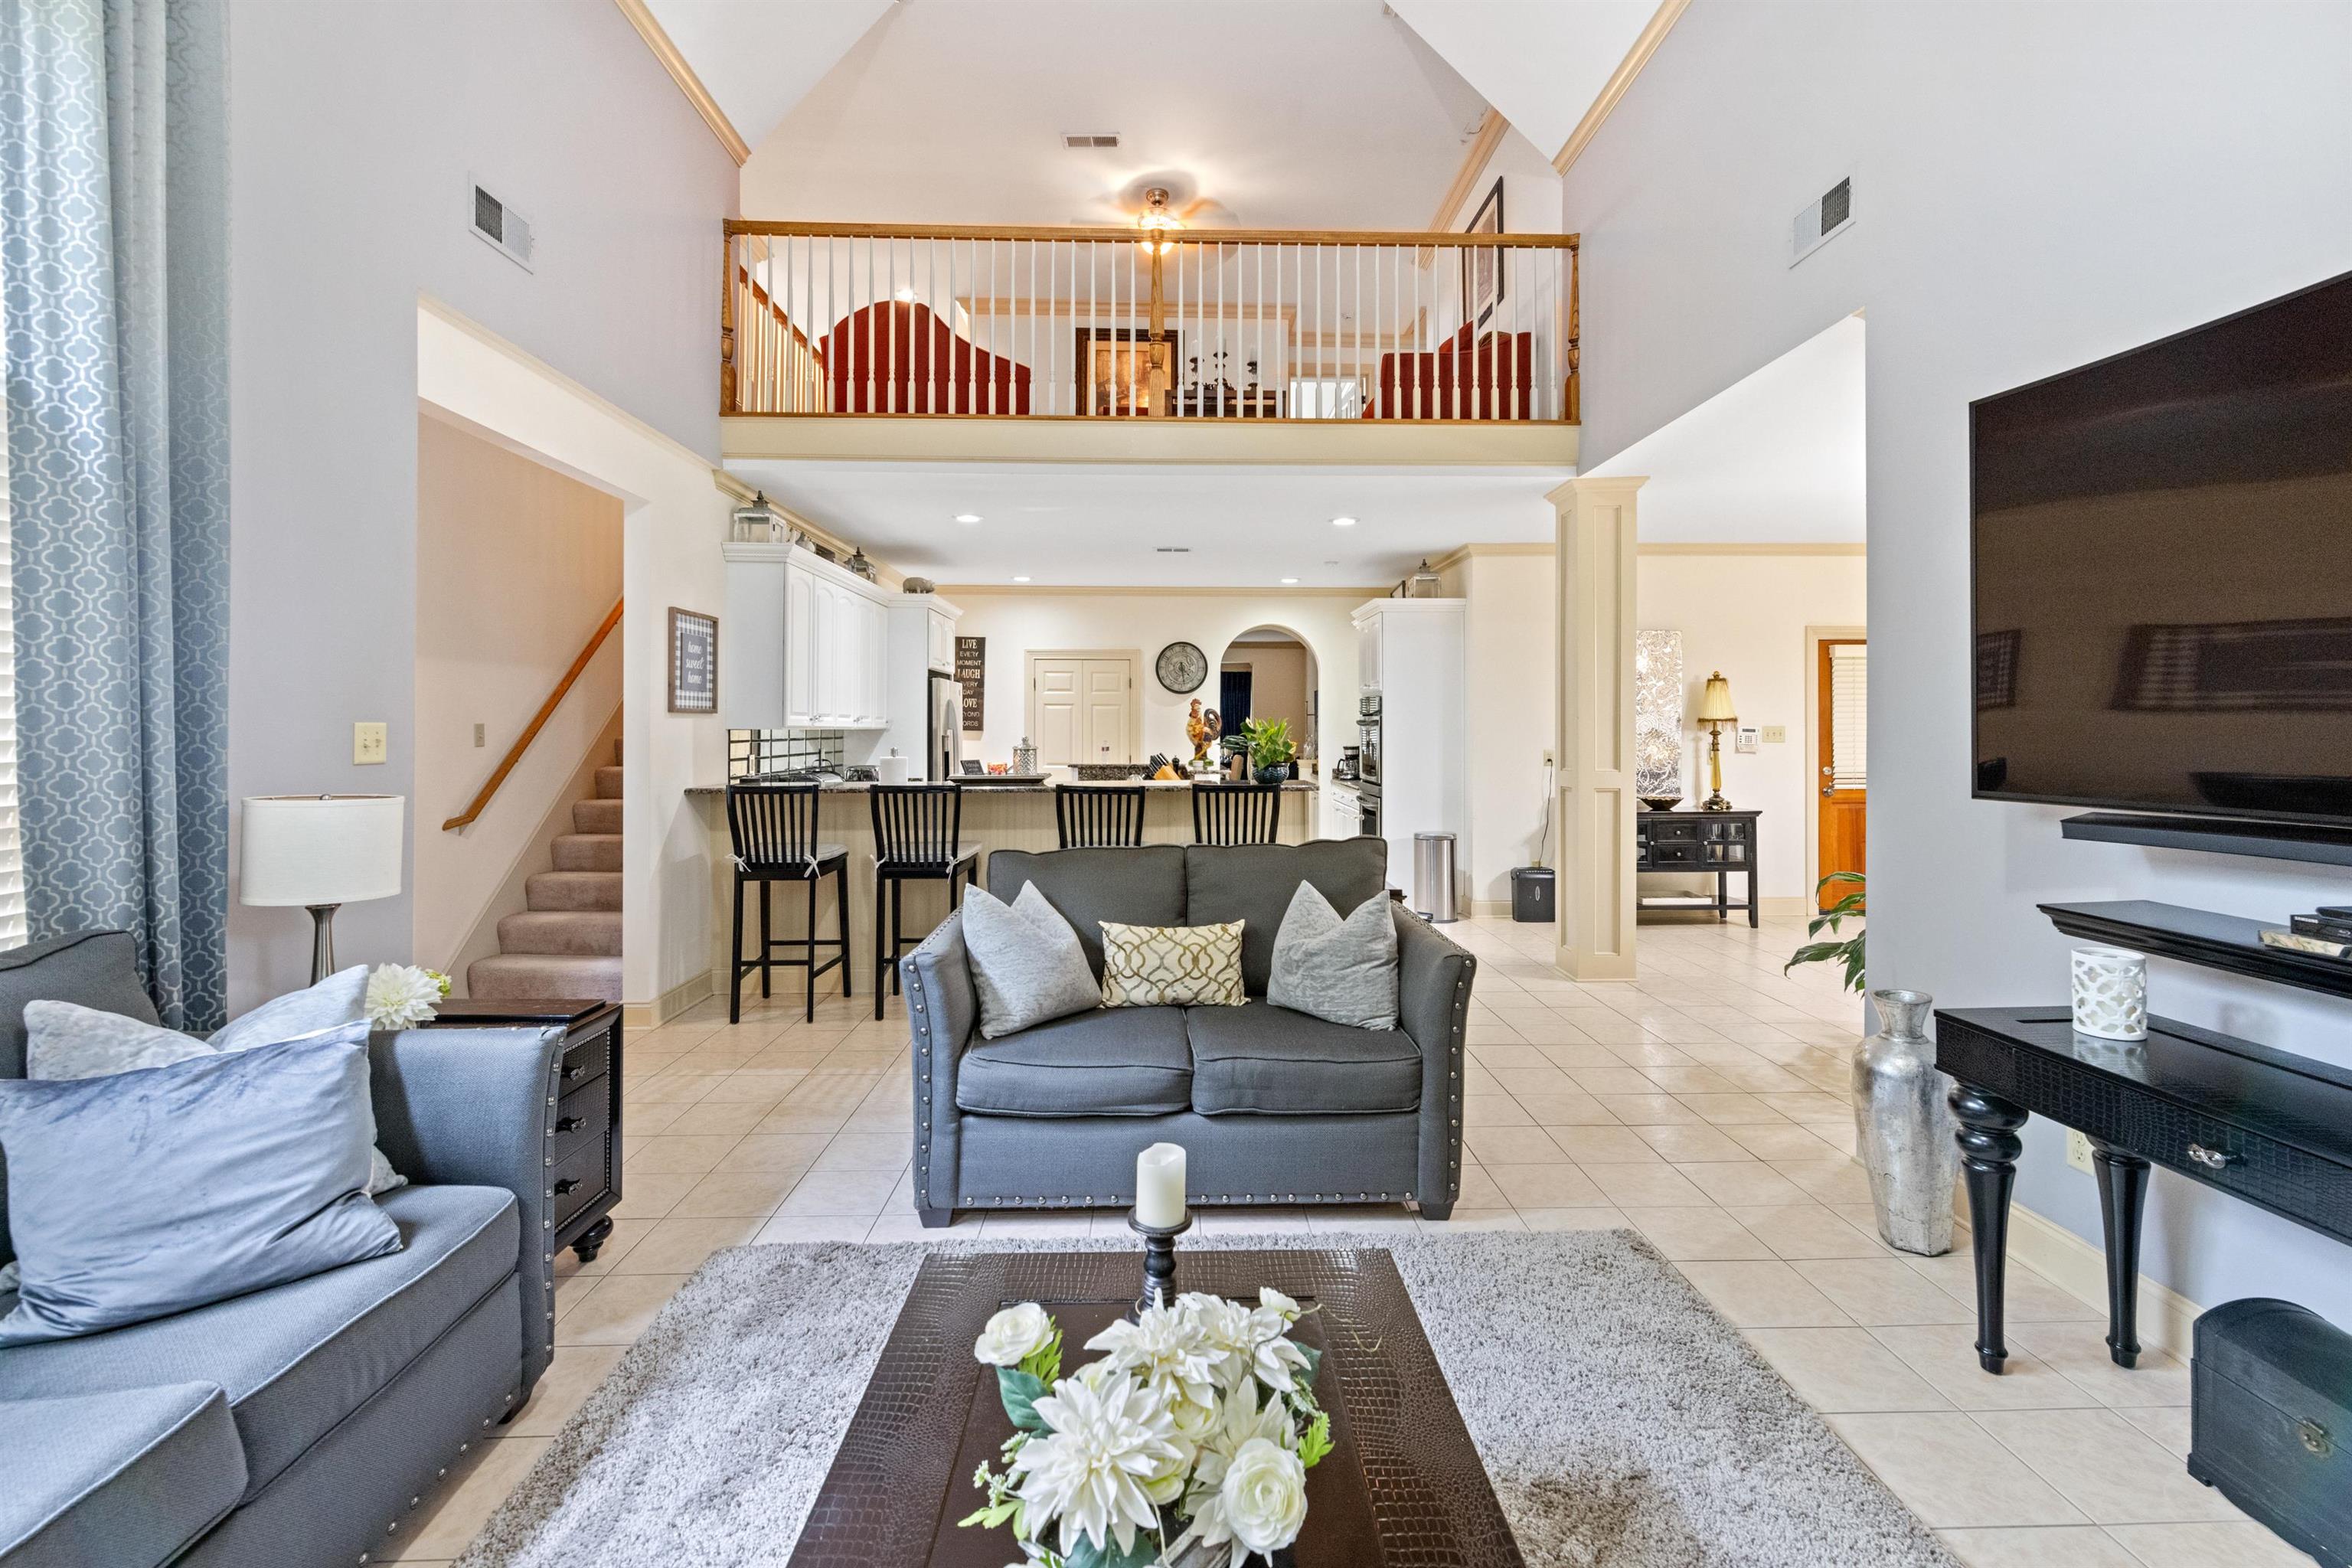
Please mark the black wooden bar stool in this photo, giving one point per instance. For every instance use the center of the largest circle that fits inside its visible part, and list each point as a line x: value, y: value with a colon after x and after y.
x: 1098, y: 816
x: 1235, y: 813
x: 918, y: 837
x: 773, y: 827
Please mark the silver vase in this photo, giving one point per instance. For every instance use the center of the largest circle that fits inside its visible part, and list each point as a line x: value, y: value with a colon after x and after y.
x: 1903, y: 1128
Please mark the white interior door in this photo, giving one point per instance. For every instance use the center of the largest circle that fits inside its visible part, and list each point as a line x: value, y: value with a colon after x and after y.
x: 1056, y: 724
x: 1110, y: 695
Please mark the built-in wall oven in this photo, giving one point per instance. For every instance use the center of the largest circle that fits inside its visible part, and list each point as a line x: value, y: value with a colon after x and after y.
x: 1367, y: 764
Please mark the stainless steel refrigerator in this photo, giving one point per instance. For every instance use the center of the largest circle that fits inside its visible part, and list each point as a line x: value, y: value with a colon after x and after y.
x: 943, y: 730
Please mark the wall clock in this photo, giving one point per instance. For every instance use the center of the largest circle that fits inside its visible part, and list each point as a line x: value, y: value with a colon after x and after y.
x: 1182, y: 668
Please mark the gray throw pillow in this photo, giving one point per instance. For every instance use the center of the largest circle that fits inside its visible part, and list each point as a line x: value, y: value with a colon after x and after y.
x: 1026, y: 963
x: 1341, y: 970
x: 64, y: 1039
x: 141, y: 1194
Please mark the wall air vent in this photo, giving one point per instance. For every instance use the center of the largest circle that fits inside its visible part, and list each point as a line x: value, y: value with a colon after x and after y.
x: 1076, y: 138
x: 1823, y: 219
x: 500, y: 225
x: 1171, y: 549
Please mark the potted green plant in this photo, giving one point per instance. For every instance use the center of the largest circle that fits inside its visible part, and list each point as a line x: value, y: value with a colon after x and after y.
x: 1847, y: 952
x: 1270, y: 748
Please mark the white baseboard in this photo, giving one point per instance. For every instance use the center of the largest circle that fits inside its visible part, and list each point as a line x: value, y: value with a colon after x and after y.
x: 651, y: 1015
x: 2168, y: 1320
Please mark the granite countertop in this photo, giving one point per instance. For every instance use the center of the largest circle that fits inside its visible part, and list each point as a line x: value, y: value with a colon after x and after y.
x: 860, y: 787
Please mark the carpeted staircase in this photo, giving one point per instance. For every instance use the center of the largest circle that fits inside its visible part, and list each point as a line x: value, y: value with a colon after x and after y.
x: 567, y: 940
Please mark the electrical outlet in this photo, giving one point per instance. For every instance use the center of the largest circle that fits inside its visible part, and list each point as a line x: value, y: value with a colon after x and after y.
x: 2078, y: 1151
x: 1547, y: 759
x: 480, y: 737
x: 370, y: 743
x: 1776, y: 734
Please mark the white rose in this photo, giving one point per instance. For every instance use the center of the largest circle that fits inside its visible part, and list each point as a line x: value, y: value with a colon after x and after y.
x: 1274, y: 1300
x: 1264, y: 1496
x: 1012, y: 1335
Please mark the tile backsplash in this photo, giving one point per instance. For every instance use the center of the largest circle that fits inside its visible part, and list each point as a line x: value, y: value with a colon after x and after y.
x: 781, y: 750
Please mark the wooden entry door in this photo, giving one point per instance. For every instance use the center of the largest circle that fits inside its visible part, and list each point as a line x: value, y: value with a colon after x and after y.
x: 1080, y: 710
x: 1841, y: 751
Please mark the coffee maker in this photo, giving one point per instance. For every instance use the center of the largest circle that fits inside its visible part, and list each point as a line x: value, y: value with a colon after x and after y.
x: 1349, y: 762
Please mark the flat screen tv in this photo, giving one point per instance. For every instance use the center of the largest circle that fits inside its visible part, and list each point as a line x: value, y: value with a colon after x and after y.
x: 2162, y: 572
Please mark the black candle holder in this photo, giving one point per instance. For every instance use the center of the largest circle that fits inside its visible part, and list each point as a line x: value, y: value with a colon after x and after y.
x: 1158, y: 1259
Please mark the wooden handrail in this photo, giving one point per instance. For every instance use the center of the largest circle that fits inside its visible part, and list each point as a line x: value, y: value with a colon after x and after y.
x: 1182, y: 236
x: 538, y: 723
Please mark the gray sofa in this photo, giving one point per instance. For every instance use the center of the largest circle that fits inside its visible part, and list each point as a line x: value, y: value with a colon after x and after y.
x: 297, y: 1425
x: 1271, y: 1106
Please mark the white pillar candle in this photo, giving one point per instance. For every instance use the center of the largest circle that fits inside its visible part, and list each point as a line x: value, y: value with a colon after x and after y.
x: 1160, y: 1186
x: 2110, y: 994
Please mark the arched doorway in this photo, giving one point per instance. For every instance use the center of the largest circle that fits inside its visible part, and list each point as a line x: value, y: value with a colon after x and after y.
x: 1270, y: 673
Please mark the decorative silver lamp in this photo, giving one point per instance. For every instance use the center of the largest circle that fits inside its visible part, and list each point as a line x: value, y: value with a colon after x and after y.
x: 320, y: 851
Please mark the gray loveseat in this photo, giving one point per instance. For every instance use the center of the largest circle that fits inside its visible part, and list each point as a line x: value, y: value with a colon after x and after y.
x: 297, y: 1425
x: 1271, y: 1106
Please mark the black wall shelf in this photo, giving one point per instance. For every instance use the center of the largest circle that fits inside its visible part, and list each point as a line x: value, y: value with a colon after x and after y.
x: 2200, y: 937
x: 2221, y: 836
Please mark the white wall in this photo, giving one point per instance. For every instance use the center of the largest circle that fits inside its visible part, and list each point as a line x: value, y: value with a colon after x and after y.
x: 1508, y: 670
x: 1745, y: 616
x: 354, y: 131
x: 1015, y: 623
x: 487, y: 518
x: 2035, y: 186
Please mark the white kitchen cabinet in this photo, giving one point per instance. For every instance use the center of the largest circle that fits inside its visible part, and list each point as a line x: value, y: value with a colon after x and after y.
x: 1417, y: 667
x: 1368, y: 653
x: 941, y: 641
x: 806, y: 645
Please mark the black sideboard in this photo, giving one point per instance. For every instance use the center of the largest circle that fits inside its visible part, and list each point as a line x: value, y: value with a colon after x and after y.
x: 584, y: 1177
x: 2262, y: 1125
x: 1716, y: 842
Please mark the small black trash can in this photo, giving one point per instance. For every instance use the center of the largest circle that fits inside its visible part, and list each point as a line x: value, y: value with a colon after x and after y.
x: 1531, y: 894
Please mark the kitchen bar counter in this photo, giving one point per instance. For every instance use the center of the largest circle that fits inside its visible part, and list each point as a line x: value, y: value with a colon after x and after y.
x: 995, y: 816
x: 977, y: 786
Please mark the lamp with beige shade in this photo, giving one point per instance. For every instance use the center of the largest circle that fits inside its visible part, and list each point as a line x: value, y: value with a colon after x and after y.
x: 320, y: 851
x: 1714, y: 711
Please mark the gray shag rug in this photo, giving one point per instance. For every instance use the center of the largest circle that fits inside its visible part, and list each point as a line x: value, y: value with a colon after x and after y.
x: 1624, y: 1422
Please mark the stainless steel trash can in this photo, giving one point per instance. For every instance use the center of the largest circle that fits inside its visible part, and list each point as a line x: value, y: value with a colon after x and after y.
x: 1433, y: 877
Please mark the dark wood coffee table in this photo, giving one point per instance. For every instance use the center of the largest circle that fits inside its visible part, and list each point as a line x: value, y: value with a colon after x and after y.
x: 1403, y: 1487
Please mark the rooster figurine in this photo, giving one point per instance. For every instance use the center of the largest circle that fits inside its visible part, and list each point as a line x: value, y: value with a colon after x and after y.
x: 1201, y: 726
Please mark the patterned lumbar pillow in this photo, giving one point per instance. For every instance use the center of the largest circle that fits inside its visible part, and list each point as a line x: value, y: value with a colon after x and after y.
x: 1172, y: 966
x: 1026, y: 963
x: 1344, y: 971
x: 63, y: 1040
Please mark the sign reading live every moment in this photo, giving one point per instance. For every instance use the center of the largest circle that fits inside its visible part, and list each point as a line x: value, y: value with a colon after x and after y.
x: 972, y: 669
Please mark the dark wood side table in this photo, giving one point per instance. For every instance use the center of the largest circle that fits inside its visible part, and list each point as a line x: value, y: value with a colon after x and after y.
x: 585, y: 1179
x: 2262, y: 1125
x: 1721, y: 842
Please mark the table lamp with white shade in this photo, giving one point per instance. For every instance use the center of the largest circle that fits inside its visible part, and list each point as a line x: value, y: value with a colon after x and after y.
x: 1714, y: 711
x: 319, y: 851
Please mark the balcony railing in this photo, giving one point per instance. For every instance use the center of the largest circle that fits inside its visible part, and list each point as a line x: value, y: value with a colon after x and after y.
x: 1112, y: 324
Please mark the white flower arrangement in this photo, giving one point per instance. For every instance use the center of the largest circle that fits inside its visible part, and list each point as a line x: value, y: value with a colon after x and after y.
x: 1189, y: 1440
x: 401, y: 996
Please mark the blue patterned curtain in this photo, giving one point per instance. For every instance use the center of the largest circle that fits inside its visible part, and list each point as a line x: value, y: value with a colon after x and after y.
x: 114, y: 267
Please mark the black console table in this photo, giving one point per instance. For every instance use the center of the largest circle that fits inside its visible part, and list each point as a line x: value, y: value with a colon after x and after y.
x: 1721, y: 842
x: 2262, y: 1125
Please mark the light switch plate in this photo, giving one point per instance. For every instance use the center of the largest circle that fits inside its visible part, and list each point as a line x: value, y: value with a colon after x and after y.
x: 481, y: 737
x: 2078, y: 1151
x: 370, y: 742
x: 1745, y: 740
x: 1776, y: 734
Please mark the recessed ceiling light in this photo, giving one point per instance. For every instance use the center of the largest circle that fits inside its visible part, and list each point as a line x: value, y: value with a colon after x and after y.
x: 967, y: 517
x: 1021, y: 579
x: 1288, y: 581
x: 1343, y: 522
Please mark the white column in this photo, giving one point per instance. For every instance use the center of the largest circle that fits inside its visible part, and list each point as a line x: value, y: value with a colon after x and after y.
x: 1595, y: 809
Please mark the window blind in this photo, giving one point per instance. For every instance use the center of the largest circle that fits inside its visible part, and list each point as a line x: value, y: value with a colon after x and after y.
x: 12, y: 847
x: 1849, y: 713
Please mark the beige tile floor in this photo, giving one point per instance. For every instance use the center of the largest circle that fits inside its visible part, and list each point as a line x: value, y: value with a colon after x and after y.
x: 1704, y: 1106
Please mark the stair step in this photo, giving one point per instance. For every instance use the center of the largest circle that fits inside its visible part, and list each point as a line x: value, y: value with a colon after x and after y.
x: 595, y: 816
x: 579, y: 932
x: 554, y: 891
x: 608, y: 784
x: 545, y: 977
x: 587, y: 852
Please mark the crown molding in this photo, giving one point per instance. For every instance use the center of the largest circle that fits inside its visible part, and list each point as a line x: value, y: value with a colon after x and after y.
x: 1481, y: 153
x: 1646, y: 44
x: 1023, y: 590
x: 1819, y: 548
x: 642, y: 18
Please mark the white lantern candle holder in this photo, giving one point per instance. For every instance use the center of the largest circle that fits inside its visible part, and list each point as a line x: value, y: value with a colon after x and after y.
x: 2110, y: 994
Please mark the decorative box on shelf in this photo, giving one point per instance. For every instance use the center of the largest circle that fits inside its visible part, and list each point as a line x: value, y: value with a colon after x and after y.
x: 585, y: 1175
